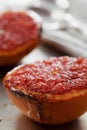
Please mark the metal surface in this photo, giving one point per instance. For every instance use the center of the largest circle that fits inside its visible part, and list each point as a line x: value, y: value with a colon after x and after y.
x: 12, y: 119
x: 65, y: 42
x: 56, y: 34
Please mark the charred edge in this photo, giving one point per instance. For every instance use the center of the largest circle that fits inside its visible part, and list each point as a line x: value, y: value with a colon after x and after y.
x: 22, y: 95
x: 38, y: 103
x: 40, y: 31
x: 39, y: 110
x: 17, y: 93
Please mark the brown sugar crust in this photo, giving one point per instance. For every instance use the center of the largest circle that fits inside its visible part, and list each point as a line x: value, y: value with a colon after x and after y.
x: 16, y: 28
x: 19, y: 34
x: 53, y: 76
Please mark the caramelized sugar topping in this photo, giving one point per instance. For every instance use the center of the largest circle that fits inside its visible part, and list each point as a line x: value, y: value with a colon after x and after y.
x: 53, y: 76
x: 16, y: 28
